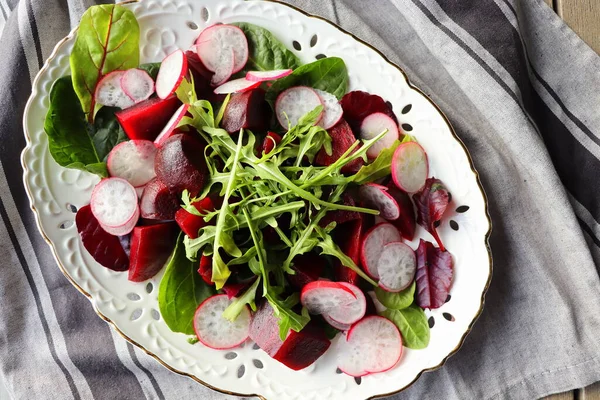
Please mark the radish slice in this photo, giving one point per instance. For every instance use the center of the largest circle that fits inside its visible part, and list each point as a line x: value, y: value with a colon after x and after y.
x: 323, y: 296
x: 110, y: 93
x: 397, y: 266
x: 292, y: 104
x: 171, y: 125
x: 332, y: 112
x: 217, y: 332
x: 410, y: 167
x: 216, y: 43
x: 137, y: 84
x: 372, y: 126
x: 263, y: 76
x: 335, y: 324
x: 171, y: 73
x: 372, y: 246
x: 350, y: 313
x: 377, y: 196
x: 372, y: 345
x: 133, y: 161
x: 225, y: 70
x: 115, y: 205
x: 237, y: 86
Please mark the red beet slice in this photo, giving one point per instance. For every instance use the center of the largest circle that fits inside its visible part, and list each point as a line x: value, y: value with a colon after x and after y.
x: 158, y: 202
x: 358, y: 105
x: 247, y: 110
x: 269, y: 143
x: 146, y: 120
x: 341, y: 140
x: 348, y: 236
x: 189, y: 223
x: 434, y: 275
x: 298, y: 351
x: 406, y: 223
x: 151, y: 247
x: 201, y: 75
x: 180, y: 164
x: 341, y: 216
x: 104, y: 247
x: 308, y: 267
x: 205, y: 269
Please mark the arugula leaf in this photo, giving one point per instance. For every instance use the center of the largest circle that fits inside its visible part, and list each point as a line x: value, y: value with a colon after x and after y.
x: 152, y: 69
x: 379, y: 168
x: 266, y: 52
x: 397, y: 301
x: 288, y: 319
x: 235, y: 308
x: 181, y: 291
x: 108, y: 39
x: 413, y: 326
x: 327, y: 74
x: 73, y: 143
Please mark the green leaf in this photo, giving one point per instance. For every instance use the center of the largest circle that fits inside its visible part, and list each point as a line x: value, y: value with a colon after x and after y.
x: 235, y: 308
x: 108, y: 39
x: 151, y: 68
x: 73, y: 143
x: 397, y: 301
x: 288, y: 319
x: 327, y: 74
x: 379, y: 168
x: 267, y: 53
x: 413, y: 326
x: 181, y: 291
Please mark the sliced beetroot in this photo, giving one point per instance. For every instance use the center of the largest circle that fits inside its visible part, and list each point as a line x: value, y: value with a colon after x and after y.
x: 396, y: 267
x: 158, y: 202
x: 410, y: 167
x: 376, y: 196
x: 374, y: 125
x: 114, y: 203
x: 406, y: 223
x: 434, y: 275
x: 264, y: 329
x: 247, y: 110
x: 348, y: 237
x: 431, y: 203
x: 341, y: 140
x: 294, y: 103
x: 147, y: 119
x: 151, y: 247
x: 341, y: 216
x: 171, y: 73
x: 332, y: 112
x: 240, y: 85
x: 217, y: 42
x: 217, y: 332
x: 373, y: 243
x: 180, y: 164
x: 321, y: 297
x: 200, y: 74
x: 205, y: 269
x: 137, y: 84
x: 264, y: 76
x: 373, y: 344
x: 105, y: 248
x: 171, y: 128
x: 133, y: 161
x: 308, y: 267
x: 271, y: 140
x: 189, y: 223
x: 358, y: 105
x: 353, y: 312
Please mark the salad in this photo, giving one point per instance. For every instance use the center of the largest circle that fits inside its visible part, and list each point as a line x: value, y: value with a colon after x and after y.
x: 281, y: 207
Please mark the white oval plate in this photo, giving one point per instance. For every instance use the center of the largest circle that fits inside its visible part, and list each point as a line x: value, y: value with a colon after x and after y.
x: 132, y: 309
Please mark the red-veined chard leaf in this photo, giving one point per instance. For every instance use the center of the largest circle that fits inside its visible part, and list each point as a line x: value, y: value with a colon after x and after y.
x: 431, y: 203
x: 434, y: 275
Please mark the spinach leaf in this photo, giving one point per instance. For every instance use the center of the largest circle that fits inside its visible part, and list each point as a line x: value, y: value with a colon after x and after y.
x: 107, y: 40
x: 396, y: 301
x: 267, y: 53
x: 151, y: 69
x: 106, y: 132
x: 327, y: 74
x: 412, y: 323
x: 181, y: 291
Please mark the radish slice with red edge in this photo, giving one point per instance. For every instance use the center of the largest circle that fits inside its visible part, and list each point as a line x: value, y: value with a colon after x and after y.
x: 137, y: 84
x: 115, y: 205
x: 171, y: 125
x: 236, y: 86
x: 410, y: 167
x: 172, y: 71
x: 396, y: 266
x: 293, y: 103
x: 350, y: 313
x: 373, y: 243
x: 110, y: 93
x: 264, y: 76
x: 333, y: 109
x: 373, y: 344
x: 215, y: 44
x: 217, y: 332
x: 224, y: 70
x: 377, y: 196
x: 337, y: 325
x: 372, y: 126
x: 323, y: 296
x: 133, y: 161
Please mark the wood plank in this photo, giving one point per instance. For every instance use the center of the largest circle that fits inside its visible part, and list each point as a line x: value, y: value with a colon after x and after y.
x: 561, y: 396
x: 582, y: 16
x: 591, y: 392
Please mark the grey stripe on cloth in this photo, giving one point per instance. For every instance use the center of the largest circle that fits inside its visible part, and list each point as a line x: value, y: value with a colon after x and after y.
x: 518, y: 86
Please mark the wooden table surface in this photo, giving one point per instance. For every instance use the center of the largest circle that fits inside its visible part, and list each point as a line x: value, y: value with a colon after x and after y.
x: 583, y: 16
